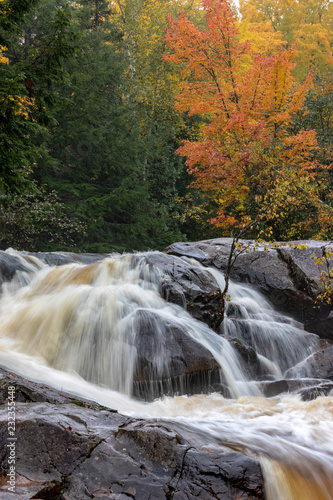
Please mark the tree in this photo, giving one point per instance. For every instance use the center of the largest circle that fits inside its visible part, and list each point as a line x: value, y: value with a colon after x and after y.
x: 36, y: 221
x: 94, y: 151
x: 31, y: 64
x: 150, y: 86
x: 316, y: 114
x: 247, y: 159
x: 307, y: 23
x: 31, y: 70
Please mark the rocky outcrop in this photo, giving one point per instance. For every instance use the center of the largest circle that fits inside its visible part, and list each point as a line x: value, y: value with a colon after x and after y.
x: 70, y: 449
x: 9, y: 264
x: 189, y: 286
x: 308, y: 388
x: 183, y: 284
x: 61, y: 258
x: 288, y: 276
x: 169, y: 361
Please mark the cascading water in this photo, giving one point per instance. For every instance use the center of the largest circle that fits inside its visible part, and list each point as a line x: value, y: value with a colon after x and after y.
x: 77, y: 325
x: 277, y: 339
x: 86, y: 319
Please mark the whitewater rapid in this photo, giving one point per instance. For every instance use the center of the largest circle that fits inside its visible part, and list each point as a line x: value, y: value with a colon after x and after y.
x: 71, y: 327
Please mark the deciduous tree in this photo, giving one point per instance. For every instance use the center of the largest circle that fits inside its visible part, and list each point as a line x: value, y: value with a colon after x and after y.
x: 308, y: 23
x: 248, y: 160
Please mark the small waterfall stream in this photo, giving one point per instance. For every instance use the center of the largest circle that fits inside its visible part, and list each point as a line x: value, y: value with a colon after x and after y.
x: 76, y: 326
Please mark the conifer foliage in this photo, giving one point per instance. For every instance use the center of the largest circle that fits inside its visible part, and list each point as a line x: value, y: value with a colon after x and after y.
x: 111, y: 109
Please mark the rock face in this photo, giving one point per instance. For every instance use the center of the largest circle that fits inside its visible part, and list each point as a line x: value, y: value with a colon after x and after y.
x: 308, y: 389
x: 9, y: 264
x: 24, y: 261
x: 169, y: 361
x: 288, y: 276
x: 189, y: 286
x: 319, y: 365
x: 60, y: 258
x: 69, y: 449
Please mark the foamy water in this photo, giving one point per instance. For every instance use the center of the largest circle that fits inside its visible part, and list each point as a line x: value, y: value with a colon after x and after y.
x: 72, y: 328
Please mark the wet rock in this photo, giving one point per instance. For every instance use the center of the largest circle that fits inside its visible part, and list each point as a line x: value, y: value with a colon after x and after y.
x: 183, y: 284
x: 311, y: 393
x: 249, y: 359
x: 264, y: 270
x: 61, y: 258
x: 169, y: 360
x: 189, y: 286
x: 71, y: 452
x: 9, y: 264
x: 25, y: 262
x: 318, y: 365
x: 297, y: 386
x: 289, y: 277
x: 27, y: 391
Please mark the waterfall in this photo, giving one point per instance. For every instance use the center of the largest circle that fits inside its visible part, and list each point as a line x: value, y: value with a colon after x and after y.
x: 251, y: 319
x: 81, y: 327
x: 86, y: 319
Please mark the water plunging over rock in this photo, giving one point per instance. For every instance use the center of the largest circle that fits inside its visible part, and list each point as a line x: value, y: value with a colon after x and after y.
x: 286, y: 275
x: 108, y: 322
x: 110, y: 327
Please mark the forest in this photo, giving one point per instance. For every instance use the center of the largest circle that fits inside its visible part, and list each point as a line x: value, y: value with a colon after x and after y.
x: 130, y: 124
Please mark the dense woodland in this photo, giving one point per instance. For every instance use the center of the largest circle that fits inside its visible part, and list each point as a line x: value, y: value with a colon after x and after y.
x: 130, y: 124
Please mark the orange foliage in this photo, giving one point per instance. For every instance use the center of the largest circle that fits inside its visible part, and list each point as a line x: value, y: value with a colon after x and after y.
x: 247, y: 159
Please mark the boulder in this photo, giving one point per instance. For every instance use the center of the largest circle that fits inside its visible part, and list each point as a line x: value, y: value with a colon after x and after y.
x: 71, y: 449
x: 248, y: 359
x: 25, y: 262
x: 9, y: 264
x: 318, y: 365
x: 189, y: 286
x: 61, y: 258
x: 288, y: 276
x: 169, y: 360
x: 307, y: 388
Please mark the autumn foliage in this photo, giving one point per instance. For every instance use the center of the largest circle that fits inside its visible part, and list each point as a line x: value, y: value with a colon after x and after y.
x: 248, y: 159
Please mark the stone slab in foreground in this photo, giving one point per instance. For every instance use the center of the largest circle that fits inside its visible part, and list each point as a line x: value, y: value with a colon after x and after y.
x: 70, y: 449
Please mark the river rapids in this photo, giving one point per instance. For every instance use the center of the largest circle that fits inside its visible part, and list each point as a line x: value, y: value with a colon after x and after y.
x: 74, y: 328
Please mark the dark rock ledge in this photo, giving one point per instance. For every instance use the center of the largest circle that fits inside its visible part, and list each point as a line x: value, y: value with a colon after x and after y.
x: 288, y: 276
x: 74, y: 450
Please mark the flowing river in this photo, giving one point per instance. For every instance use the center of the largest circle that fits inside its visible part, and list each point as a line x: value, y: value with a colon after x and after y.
x: 74, y: 327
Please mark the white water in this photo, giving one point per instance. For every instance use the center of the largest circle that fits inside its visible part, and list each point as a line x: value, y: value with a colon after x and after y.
x: 61, y: 322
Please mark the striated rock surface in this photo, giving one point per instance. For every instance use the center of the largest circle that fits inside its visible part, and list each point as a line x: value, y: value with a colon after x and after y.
x: 70, y: 449
x: 169, y: 361
x: 318, y: 365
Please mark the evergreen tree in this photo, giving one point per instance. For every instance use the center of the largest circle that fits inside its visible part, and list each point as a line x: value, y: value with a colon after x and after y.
x: 31, y: 62
x: 93, y: 155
